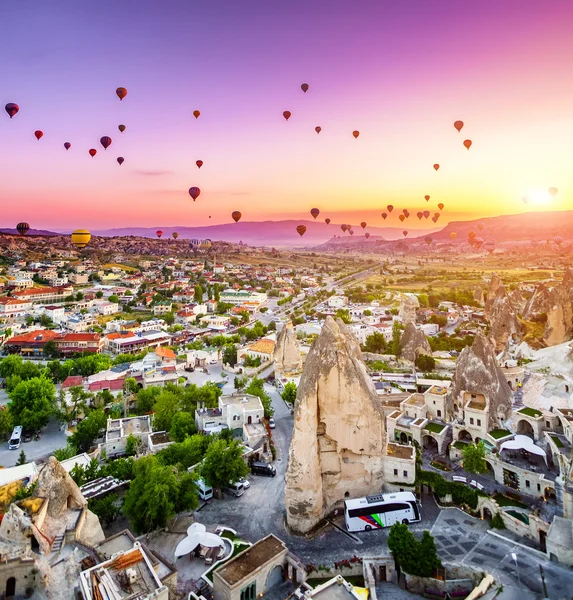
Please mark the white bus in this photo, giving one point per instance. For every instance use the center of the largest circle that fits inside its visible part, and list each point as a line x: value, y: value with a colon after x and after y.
x: 16, y: 438
x: 205, y: 490
x: 381, y: 510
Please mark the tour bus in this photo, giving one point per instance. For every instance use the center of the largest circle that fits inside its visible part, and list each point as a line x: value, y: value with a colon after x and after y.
x: 381, y: 510
x: 16, y: 438
x: 205, y: 491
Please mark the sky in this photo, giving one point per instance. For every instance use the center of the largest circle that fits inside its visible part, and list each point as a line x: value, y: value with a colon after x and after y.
x: 400, y: 72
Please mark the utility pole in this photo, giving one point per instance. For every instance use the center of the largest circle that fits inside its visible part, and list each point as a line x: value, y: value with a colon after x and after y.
x: 543, y: 581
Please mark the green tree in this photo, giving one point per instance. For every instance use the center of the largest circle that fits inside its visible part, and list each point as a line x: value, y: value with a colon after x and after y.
x: 65, y: 453
x: 375, y: 343
x: 114, y: 298
x: 146, y: 398
x: 256, y: 388
x: 6, y: 424
x: 88, y: 430
x: 132, y: 445
x: 289, y: 393
x: 223, y: 463
x: 182, y: 426
x: 199, y: 292
x: 428, y: 561
x: 187, y: 453
x: 107, y: 508
x: 404, y: 547
x: 425, y: 363
x: 230, y: 355
x: 474, y: 458
x: 50, y: 350
x: 344, y: 315
x: 169, y: 318
x: 33, y: 403
x: 22, y: 460
x: 240, y: 382
x: 440, y: 320
x: 396, y: 336
x: 165, y: 408
x: 99, y: 294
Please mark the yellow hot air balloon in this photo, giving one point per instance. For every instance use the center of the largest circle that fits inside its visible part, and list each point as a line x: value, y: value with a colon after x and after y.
x: 81, y: 238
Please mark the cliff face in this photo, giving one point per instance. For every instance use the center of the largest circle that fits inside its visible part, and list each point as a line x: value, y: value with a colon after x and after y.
x: 287, y: 353
x: 505, y: 326
x: 538, y: 303
x: 339, y: 436
x: 413, y: 343
x: 477, y: 371
x: 559, y: 324
x: 494, y: 290
x: 408, y: 307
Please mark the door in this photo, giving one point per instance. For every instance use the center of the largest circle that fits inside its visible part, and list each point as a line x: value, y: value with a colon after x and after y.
x: 10, y: 588
x: 382, y: 573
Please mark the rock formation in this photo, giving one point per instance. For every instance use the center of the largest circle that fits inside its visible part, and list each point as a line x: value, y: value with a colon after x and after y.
x: 55, y: 485
x: 413, y: 343
x: 495, y: 289
x: 538, y: 303
x: 505, y: 326
x: 478, y: 295
x: 478, y: 372
x: 287, y: 352
x: 408, y: 307
x: 559, y: 324
x: 339, y: 436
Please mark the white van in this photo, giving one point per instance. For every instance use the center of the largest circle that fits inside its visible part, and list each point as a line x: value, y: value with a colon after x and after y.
x: 235, y: 489
x: 205, y: 491
x: 16, y: 438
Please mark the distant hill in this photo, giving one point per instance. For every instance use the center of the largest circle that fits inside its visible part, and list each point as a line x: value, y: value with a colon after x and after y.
x: 30, y: 232
x: 264, y: 233
x: 532, y: 226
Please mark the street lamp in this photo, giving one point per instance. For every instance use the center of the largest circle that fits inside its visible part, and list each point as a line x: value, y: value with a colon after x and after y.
x: 514, y: 556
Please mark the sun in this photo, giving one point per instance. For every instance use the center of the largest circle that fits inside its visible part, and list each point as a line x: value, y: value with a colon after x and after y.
x: 538, y: 197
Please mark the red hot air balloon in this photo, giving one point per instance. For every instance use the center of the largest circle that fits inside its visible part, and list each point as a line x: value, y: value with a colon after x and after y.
x: 121, y: 93
x: 343, y: 227
x: 92, y: 152
x: 39, y: 134
x: 105, y: 141
x: 437, y: 214
x: 196, y: 114
x: 194, y: 192
x: 120, y: 160
x: 12, y: 109
x: 405, y: 212
x: 121, y: 128
x: 435, y: 219
x: 402, y: 217
x: 468, y: 144
x: 356, y: 134
x: 287, y: 116
x: 420, y: 215
x: 441, y: 206
x: 427, y: 197
x: 301, y: 229
x: 351, y: 231
x: 366, y: 235
x: 199, y: 163
x: 363, y: 224
x: 67, y: 145
x: 314, y: 212
x: 236, y: 216
x: 327, y: 221
x: 428, y: 240
x: 384, y: 216
x: 318, y: 129
x: 159, y: 233
x: 404, y: 233
x: 436, y: 166
x: 390, y: 208
x: 458, y: 125
x: 426, y: 214
x: 304, y: 87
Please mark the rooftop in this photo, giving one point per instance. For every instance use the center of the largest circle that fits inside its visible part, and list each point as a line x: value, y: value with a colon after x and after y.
x: 400, y: 451
x: 248, y: 401
x: 263, y: 346
x: 416, y: 400
x: 438, y: 390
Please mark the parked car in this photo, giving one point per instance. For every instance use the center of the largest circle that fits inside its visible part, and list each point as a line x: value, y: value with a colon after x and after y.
x: 246, y: 483
x: 263, y: 468
x: 235, y: 489
x: 189, y: 369
x: 272, y: 423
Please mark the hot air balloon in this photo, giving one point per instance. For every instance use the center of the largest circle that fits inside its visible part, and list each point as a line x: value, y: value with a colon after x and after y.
x: 174, y: 235
x: 304, y: 87
x: 435, y: 219
x: 478, y: 242
x: 405, y: 212
x: 437, y: 215
x: 121, y: 93
x: 194, y: 192
x: 468, y: 144
x: 194, y: 244
x: 366, y: 235
x: 552, y: 191
x: 404, y: 233
x: 67, y: 145
x: 318, y: 129
x: 453, y: 235
x: 420, y: 215
x: 458, y: 125
x: 489, y: 247
x: 120, y: 160
x: 558, y: 240
x: 343, y: 227
x: 480, y: 226
x: 92, y: 152
x: 12, y: 109
x: 205, y: 244
x: 427, y: 197
x: 314, y: 212
x: 121, y: 128
x: 436, y: 166
x: 105, y: 141
x: 327, y: 221
x: 428, y: 240
x: 471, y: 236
x: 390, y: 208
x: 39, y: 134
x: 199, y: 163
x: 356, y: 134
x: 236, y: 216
x: 287, y: 114
x: 384, y: 216
x: 402, y: 217
x: 159, y: 233
x: 22, y: 228
x: 351, y: 231
x: 363, y: 224
x: 426, y: 214
x: 525, y: 199
x: 441, y: 206
x: 196, y: 114
x: 300, y: 229
x: 81, y: 238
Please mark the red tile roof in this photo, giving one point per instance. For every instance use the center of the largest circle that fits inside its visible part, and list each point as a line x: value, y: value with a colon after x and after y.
x: 72, y: 381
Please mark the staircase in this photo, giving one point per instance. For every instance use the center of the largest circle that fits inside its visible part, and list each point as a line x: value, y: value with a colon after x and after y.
x: 517, y: 402
x: 58, y: 543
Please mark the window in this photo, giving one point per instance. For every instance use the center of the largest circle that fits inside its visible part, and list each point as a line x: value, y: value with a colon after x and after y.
x: 538, y: 487
x: 395, y: 471
x: 405, y: 473
x: 479, y: 422
x: 439, y: 412
x: 527, y: 484
x: 547, y: 424
x: 250, y: 592
x: 471, y: 420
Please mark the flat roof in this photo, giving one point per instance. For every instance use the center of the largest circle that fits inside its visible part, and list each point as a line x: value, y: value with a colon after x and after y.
x: 400, y: 451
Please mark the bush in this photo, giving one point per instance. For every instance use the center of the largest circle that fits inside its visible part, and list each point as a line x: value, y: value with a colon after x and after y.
x: 425, y: 363
x: 497, y: 522
x: 461, y: 493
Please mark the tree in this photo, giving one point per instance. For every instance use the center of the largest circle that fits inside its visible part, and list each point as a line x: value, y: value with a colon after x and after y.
x: 107, y: 508
x: 256, y: 388
x: 78, y: 403
x: 5, y: 422
x: 367, y: 313
x: 33, y: 403
x: 22, y: 460
x: 240, y: 382
x: 146, y: 398
x: 396, y: 335
x: 223, y: 463
x: 230, y: 355
x: 474, y: 458
x: 65, y: 453
x: 99, y: 294
x: 375, y: 343
x: 50, y: 350
x: 165, y: 408
x: 440, y: 320
x: 182, y: 426
x: 114, y: 298
x: 428, y: 561
x: 425, y: 363
x: 199, y: 292
x: 132, y: 445
x: 88, y: 430
x: 404, y: 547
x: 289, y: 393
x: 187, y: 453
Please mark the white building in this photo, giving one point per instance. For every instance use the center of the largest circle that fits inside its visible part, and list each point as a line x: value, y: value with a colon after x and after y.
x: 337, y: 301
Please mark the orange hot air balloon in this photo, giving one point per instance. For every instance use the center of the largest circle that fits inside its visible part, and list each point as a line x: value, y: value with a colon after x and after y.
x: 468, y: 144
x: 121, y: 93
x: 552, y: 191
x: 105, y: 141
x: 480, y: 226
x: 426, y: 214
x: 356, y: 134
x: 428, y: 240
x: 39, y: 134
x: 427, y: 197
x: 390, y: 208
x: 199, y: 163
x: 384, y: 216
x: 435, y: 218
x: 366, y: 235
x: 120, y: 160
x: 420, y: 215
x: 304, y: 87
x: 437, y: 214
x: 301, y: 229
x: 343, y: 227
x: 402, y: 217
x: 363, y: 224
x: 174, y: 235
x: 441, y: 206
x: 453, y: 235
x: 318, y: 129
x: 159, y: 233
x: 327, y: 221
x: 287, y: 116
x: 122, y: 128
x: 12, y: 109
x: 436, y: 166
x: 405, y: 211
x: 404, y: 233
x: 67, y: 145
x: 236, y: 216
x: 194, y: 192
x: 314, y: 212
x: 471, y: 235
x: 92, y: 152
x: 351, y: 231
x: 458, y: 125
